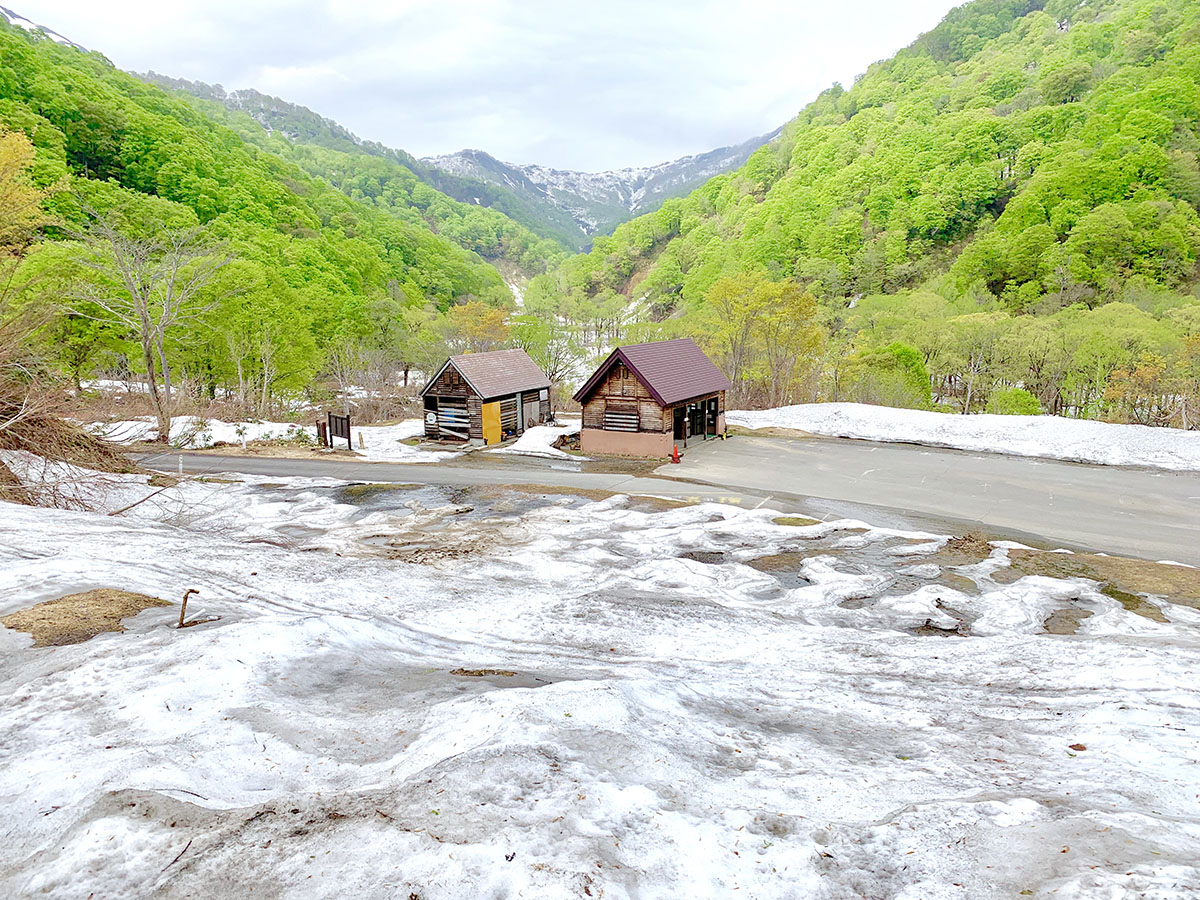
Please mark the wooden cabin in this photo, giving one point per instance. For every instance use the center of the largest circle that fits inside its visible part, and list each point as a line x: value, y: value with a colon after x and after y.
x: 646, y: 398
x: 486, y: 397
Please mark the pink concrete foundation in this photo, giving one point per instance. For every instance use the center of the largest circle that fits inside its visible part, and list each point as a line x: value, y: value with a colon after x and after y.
x: 624, y: 443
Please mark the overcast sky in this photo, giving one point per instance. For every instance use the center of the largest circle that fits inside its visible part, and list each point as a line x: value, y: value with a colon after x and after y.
x: 577, y: 85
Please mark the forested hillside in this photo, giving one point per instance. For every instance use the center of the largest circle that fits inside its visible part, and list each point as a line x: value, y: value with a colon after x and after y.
x: 1002, y: 217
x: 301, y: 125
x: 315, y: 255
x: 1008, y: 206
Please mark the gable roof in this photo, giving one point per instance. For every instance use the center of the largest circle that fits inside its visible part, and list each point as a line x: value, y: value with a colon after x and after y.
x: 672, y: 371
x: 496, y: 373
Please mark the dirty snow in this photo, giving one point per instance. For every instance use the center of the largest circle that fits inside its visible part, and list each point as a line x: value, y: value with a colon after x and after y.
x: 1051, y: 437
x: 678, y: 723
x: 539, y: 441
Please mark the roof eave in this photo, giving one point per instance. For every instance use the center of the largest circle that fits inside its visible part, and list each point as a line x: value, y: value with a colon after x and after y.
x: 602, y: 370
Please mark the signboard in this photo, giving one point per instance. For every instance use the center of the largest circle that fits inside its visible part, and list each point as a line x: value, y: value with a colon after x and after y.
x: 339, y: 427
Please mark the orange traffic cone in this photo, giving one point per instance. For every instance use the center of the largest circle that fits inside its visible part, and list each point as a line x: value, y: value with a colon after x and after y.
x: 675, y: 454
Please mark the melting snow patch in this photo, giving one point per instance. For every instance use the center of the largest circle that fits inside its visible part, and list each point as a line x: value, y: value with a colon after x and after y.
x: 675, y: 727
x: 1051, y: 437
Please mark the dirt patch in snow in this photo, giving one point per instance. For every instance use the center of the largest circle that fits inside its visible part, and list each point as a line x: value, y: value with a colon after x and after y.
x: 481, y: 673
x: 1065, y: 621
x: 965, y: 548
x: 709, y: 557
x: 772, y: 432
x: 356, y: 493
x: 76, y: 618
x: 1123, y: 578
x: 786, y: 561
x: 635, y: 502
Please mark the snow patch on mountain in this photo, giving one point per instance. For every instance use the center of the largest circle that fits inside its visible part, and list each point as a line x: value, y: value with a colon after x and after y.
x: 20, y: 21
x: 601, y: 200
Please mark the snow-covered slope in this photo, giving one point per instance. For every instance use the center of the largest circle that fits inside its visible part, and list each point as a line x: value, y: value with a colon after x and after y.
x: 578, y: 700
x: 598, y: 201
x: 20, y: 21
x: 1050, y: 437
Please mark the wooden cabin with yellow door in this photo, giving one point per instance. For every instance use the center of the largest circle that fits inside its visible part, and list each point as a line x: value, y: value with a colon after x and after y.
x: 486, y: 397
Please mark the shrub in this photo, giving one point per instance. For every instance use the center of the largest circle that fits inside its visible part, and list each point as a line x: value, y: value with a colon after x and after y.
x: 1014, y: 402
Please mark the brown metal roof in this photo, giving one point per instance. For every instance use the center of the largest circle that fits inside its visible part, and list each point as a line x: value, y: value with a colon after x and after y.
x: 672, y: 371
x: 497, y: 373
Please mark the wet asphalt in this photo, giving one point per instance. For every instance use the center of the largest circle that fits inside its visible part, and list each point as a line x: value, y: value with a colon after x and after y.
x: 1144, y: 513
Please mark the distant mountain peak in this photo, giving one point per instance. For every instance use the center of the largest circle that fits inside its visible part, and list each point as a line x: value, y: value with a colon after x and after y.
x: 598, y: 201
x: 20, y: 21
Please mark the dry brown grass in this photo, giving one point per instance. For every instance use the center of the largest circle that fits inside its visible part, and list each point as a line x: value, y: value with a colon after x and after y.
x: 76, y: 618
x: 972, y: 544
x: 11, y: 489
x: 32, y: 406
x: 1122, y: 578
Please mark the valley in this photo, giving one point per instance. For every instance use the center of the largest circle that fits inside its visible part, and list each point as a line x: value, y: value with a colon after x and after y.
x: 811, y: 517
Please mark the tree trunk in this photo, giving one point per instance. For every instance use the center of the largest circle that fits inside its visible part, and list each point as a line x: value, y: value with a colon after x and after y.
x: 160, y: 411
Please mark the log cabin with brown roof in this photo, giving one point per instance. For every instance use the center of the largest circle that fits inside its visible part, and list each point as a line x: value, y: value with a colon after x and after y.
x: 488, y: 397
x: 645, y: 399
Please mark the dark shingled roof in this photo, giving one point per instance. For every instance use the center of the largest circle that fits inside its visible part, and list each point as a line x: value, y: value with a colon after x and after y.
x: 497, y: 373
x: 672, y: 371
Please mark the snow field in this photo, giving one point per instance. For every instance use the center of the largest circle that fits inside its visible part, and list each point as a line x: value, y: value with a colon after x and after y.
x: 678, y: 724
x: 1051, y: 437
x: 380, y: 443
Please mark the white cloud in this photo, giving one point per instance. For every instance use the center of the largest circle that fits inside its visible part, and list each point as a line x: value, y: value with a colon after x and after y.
x: 573, y: 85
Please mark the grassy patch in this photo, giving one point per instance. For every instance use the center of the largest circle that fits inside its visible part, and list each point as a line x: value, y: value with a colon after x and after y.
x: 481, y: 673
x: 1133, y: 603
x: 76, y: 618
x: 795, y: 521
x: 1123, y: 579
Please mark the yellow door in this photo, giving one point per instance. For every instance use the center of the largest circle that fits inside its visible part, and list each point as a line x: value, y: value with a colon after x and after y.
x: 491, y: 423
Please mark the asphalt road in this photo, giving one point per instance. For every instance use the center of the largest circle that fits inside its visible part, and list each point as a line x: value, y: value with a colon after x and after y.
x: 1135, y: 512
x: 1147, y: 513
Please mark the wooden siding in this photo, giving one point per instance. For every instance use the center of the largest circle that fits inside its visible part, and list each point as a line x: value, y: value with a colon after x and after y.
x: 450, y: 389
x: 450, y: 384
x: 621, y: 402
x: 448, y: 395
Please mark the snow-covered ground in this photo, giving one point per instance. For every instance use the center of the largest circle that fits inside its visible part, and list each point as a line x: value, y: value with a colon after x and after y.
x: 539, y: 441
x: 380, y: 443
x: 194, y: 433
x: 385, y: 443
x: 1051, y: 437
x: 676, y: 722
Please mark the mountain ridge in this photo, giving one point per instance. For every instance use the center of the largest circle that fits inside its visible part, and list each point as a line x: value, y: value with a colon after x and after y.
x: 592, y: 198
x: 19, y: 21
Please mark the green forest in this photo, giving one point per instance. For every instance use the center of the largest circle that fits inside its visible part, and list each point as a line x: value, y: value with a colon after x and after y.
x: 1000, y: 218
